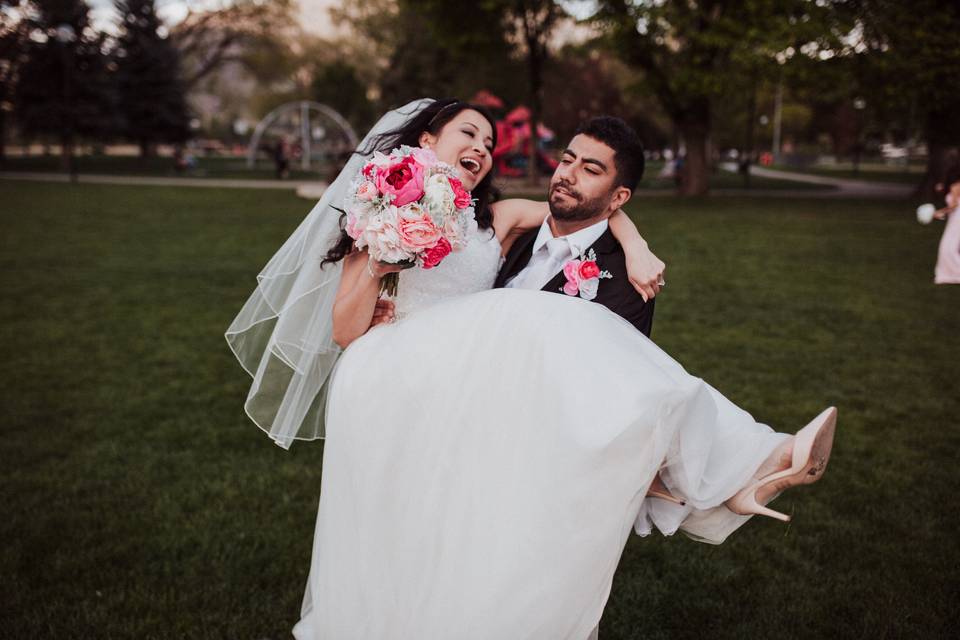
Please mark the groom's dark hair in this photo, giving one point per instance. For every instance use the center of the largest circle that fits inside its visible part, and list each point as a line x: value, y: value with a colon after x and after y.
x: 626, y: 145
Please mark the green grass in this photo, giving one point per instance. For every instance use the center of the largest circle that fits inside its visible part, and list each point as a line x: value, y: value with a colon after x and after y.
x: 236, y: 168
x: 139, y: 502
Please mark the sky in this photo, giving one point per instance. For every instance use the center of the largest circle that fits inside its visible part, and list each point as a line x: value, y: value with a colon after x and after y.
x: 313, y: 13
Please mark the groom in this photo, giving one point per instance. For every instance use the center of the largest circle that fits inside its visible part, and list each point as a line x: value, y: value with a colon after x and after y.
x: 574, y: 252
x: 597, y: 174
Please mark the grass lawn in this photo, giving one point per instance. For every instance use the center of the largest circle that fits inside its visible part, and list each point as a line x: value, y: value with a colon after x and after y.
x: 207, y: 167
x: 139, y: 502
x: 236, y: 168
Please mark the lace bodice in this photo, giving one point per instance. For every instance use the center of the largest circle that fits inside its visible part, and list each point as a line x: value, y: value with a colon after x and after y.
x: 472, y: 269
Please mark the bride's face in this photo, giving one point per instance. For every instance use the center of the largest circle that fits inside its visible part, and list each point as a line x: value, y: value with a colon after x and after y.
x: 466, y: 143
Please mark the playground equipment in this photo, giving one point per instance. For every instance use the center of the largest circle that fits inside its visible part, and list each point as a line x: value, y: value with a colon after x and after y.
x: 313, y: 131
x: 512, y: 153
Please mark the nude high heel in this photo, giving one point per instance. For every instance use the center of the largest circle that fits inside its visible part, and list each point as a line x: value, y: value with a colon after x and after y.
x: 659, y: 490
x: 811, y: 452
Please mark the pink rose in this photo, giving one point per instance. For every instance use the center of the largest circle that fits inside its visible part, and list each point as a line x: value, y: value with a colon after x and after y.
x: 367, y: 191
x: 572, y: 271
x: 461, y: 197
x: 571, y: 288
x: 417, y: 233
x: 589, y: 269
x: 433, y: 257
x: 425, y: 157
x: 403, y: 180
x: 355, y: 226
x: 452, y: 231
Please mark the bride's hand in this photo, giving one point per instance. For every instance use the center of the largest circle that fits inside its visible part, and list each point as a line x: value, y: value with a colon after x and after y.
x: 380, y: 269
x: 645, y: 271
x: 383, y: 313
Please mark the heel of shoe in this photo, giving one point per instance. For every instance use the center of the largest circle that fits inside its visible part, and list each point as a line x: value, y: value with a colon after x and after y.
x: 666, y: 496
x: 745, y: 504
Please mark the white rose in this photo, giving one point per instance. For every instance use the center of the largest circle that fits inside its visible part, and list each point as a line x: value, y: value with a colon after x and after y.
x: 588, y: 288
x: 382, y: 237
x: 438, y: 196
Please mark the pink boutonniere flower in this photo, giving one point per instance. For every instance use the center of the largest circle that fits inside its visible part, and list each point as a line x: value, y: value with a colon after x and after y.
x: 583, y: 276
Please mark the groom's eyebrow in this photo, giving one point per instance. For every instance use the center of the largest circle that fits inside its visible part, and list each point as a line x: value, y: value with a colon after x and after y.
x: 603, y: 167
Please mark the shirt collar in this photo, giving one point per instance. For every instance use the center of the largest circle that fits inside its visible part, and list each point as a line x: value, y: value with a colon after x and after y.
x: 579, y: 241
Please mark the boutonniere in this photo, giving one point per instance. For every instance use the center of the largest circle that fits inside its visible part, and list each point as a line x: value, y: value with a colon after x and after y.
x: 583, y: 276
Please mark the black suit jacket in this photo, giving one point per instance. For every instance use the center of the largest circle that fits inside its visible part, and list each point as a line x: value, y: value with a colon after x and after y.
x: 616, y: 294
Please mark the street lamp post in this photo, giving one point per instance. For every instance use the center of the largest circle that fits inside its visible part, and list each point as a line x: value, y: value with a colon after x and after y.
x: 66, y: 35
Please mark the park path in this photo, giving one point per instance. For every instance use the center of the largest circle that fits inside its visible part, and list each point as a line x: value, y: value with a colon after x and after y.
x: 842, y: 188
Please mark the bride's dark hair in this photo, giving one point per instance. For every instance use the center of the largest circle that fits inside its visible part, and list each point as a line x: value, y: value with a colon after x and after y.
x: 431, y: 119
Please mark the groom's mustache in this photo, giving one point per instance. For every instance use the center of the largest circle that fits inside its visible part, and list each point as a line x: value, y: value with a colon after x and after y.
x: 562, y: 184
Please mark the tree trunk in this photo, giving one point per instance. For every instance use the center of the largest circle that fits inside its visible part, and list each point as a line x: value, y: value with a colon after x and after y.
x: 147, y: 149
x: 3, y: 135
x: 695, y: 176
x: 936, y: 169
x: 536, y: 82
x: 66, y: 154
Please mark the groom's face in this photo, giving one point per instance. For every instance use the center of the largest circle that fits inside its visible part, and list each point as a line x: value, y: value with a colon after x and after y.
x: 584, y: 184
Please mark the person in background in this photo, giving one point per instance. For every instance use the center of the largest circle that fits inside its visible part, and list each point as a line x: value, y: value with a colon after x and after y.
x: 947, y: 270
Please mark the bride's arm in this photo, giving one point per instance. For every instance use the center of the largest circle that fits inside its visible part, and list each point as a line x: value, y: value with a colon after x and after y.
x: 353, y: 310
x: 514, y: 217
x: 644, y: 269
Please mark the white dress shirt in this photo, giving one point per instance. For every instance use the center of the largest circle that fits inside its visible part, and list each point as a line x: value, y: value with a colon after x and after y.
x: 550, y: 254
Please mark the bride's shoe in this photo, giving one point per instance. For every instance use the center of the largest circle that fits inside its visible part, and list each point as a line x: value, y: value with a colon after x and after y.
x: 659, y: 490
x: 811, y: 451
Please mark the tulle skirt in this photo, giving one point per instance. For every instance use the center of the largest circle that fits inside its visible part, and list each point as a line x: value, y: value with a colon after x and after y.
x: 486, y: 459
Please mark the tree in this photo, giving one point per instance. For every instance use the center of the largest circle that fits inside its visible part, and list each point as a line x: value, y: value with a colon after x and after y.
x: 411, y: 49
x: 534, y: 22
x: 254, y: 33
x: 585, y: 80
x: 914, y: 48
x: 62, y: 86
x: 691, y: 53
x: 149, y: 88
x: 13, y: 40
x: 337, y: 85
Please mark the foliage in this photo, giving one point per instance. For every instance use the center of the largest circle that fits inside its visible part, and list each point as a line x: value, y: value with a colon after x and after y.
x: 339, y: 86
x: 149, y: 87
x: 63, y: 88
x: 585, y: 80
x: 914, y: 54
x: 693, y: 53
x: 253, y: 33
x: 13, y: 41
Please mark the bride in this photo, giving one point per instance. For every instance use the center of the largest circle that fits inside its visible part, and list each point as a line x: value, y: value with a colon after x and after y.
x: 488, y: 454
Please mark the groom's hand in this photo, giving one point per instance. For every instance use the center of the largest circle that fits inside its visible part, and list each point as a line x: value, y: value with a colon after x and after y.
x: 383, y: 313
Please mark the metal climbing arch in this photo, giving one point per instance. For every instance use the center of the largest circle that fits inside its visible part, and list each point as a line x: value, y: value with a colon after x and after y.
x: 320, y: 130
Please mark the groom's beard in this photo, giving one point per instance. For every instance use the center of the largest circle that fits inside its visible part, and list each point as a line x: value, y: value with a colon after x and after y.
x: 582, y: 209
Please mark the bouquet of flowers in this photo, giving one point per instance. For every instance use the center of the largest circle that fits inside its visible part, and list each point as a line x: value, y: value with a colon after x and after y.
x: 407, y: 208
x: 925, y: 213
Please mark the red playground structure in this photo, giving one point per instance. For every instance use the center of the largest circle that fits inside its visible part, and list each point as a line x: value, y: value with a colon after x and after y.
x: 512, y: 154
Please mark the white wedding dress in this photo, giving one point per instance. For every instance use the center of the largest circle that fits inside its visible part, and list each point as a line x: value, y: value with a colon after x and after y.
x: 487, y: 455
